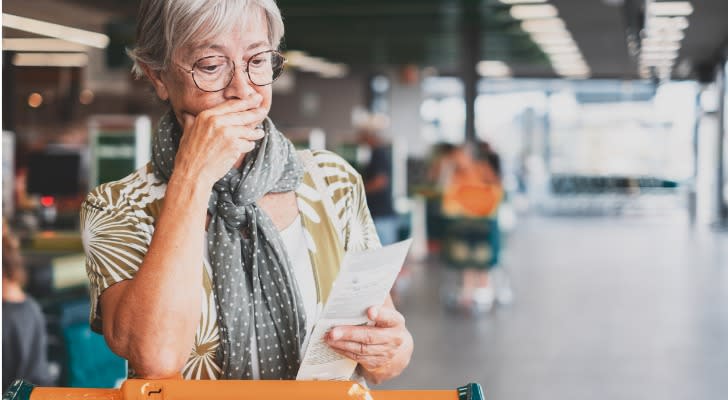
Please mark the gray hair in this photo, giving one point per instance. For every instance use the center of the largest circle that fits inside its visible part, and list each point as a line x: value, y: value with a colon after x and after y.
x: 165, y: 26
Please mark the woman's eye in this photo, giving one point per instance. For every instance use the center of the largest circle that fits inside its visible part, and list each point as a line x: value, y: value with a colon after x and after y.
x: 258, y: 62
x: 209, y: 68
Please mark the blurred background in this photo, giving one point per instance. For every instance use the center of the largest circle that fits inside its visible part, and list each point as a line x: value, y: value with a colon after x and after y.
x: 604, y: 239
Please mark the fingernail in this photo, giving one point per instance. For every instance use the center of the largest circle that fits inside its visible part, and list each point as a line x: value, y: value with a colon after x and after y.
x: 335, y: 334
x: 374, y: 312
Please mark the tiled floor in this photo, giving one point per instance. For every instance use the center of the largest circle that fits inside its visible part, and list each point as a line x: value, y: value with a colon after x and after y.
x: 604, y: 309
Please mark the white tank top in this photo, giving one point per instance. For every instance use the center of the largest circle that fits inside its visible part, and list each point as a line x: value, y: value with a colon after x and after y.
x: 294, y: 241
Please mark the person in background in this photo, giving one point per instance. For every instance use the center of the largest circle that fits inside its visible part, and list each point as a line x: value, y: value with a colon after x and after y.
x: 499, y: 277
x: 24, y: 329
x: 486, y: 153
x: 378, y: 180
x: 212, y: 261
x: 470, y: 198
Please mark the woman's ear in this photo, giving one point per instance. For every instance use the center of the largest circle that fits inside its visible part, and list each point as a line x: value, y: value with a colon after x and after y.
x: 155, y: 77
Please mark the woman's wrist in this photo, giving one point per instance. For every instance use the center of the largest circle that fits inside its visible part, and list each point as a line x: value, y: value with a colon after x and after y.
x: 190, y: 190
x: 194, y: 183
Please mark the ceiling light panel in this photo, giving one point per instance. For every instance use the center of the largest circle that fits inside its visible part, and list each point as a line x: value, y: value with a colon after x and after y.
x: 670, y: 8
x: 535, y: 11
x: 67, y: 33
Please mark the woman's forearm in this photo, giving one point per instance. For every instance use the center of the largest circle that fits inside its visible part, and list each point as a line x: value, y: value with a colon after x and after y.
x: 156, y: 317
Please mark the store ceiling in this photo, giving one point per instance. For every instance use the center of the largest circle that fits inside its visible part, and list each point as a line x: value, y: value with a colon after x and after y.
x: 373, y: 33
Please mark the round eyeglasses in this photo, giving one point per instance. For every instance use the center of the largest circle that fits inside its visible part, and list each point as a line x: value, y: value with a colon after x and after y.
x: 214, y: 73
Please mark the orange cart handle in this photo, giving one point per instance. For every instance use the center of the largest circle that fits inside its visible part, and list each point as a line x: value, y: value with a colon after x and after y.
x: 140, y: 389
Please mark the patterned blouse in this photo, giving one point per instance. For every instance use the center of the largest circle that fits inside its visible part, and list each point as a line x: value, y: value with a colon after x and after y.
x: 117, y: 225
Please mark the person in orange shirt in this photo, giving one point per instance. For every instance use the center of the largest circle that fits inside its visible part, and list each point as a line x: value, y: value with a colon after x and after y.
x: 471, y: 194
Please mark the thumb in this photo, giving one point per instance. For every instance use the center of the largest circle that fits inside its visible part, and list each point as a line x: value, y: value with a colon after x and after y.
x: 187, y: 120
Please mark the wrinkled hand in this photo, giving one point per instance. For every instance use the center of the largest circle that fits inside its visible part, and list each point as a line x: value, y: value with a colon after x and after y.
x: 216, y: 138
x: 382, y: 350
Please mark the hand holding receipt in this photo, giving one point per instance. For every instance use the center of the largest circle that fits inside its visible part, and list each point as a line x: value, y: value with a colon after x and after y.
x: 364, y: 280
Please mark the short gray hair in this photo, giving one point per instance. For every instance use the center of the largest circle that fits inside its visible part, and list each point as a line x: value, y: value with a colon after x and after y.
x: 164, y: 26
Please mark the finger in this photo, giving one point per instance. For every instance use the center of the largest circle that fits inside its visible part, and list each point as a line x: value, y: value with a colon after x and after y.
x: 244, y: 133
x: 386, y: 317
x: 368, y: 362
x: 361, y: 334
x: 187, y: 120
x: 250, y: 118
x: 234, y: 105
x: 362, y: 349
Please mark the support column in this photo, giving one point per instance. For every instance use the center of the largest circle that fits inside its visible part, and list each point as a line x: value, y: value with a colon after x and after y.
x: 722, y: 205
x: 470, y: 56
x: 8, y: 91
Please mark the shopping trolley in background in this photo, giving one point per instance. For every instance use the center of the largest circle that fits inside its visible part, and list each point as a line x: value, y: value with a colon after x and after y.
x: 475, y: 243
x: 139, y: 389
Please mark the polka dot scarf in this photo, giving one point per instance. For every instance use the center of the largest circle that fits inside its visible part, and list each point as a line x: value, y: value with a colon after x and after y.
x: 255, y: 290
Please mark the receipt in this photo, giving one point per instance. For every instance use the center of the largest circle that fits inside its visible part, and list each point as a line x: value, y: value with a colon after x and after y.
x: 365, y: 279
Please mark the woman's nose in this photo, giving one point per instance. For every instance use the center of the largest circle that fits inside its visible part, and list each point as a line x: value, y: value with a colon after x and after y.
x: 240, y: 85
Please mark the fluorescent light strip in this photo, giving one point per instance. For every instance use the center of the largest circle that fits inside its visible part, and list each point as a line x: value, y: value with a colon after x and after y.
x: 67, y: 33
x: 537, y: 11
x: 555, y: 41
x: 537, y: 36
x: 656, y: 61
x: 660, y: 47
x: 50, y: 60
x: 552, y: 49
x: 493, y: 69
x: 670, y: 8
x: 543, y: 25
x: 676, y: 23
x: 571, y: 69
x: 570, y: 65
x: 566, y: 61
x: 550, y: 33
x: 41, y: 44
x: 574, y: 69
x: 655, y: 52
x: 510, y: 2
x: 304, y: 62
x: 658, y: 56
x: 675, y: 36
x: 651, y: 41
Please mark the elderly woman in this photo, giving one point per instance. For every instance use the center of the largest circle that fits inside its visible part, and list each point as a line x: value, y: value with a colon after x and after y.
x: 213, y: 259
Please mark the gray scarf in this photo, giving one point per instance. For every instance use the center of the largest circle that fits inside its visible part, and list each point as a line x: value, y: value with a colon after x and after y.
x: 255, y: 290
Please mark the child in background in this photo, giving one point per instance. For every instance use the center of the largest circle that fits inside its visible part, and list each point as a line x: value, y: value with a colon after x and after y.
x: 24, y: 331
